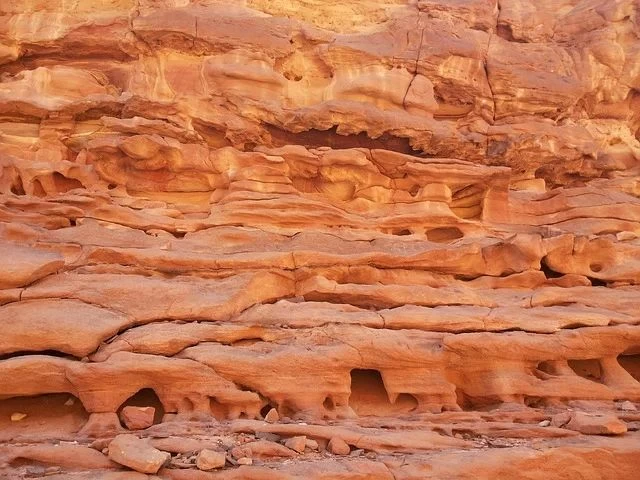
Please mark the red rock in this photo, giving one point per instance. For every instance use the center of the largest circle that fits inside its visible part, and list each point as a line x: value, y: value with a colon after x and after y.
x: 591, y: 424
x: 297, y: 443
x: 272, y: 416
x: 137, y: 418
x: 337, y: 446
x: 210, y: 460
x: 137, y: 454
x: 412, y: 226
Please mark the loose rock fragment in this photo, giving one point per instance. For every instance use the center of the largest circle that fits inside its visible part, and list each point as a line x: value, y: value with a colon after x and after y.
x: 297, y: 443
x: 272, y: 416
x: 589, y: 424
x: 137, y: 454
x: 337, y: 446
x: 210, y: 460
x: 137, y: 418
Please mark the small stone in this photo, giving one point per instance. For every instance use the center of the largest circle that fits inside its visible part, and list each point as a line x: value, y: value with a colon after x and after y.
x: 371, y: 455
x: 137, y: 454
x: 272, y: 416
x: 245, y: 461
x: 544, y: 423
x: 337, y: 446
x: 100, y: 443
x: 17, y: 416
x: 627, y: 406
x: 70, y: 401
x: 560, y: 419
x: 105, y: 451
x: 137, y: 418
x: 227, y: 442
x: 311, y: 444
x: 296, y: 443
x: 356, y: 453
x: 210, y: 459
x: 239, y: 452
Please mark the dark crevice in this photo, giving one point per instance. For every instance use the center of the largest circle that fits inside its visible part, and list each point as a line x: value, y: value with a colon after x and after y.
x: 596, y: 282
x: 444, y: 234
x: 506, y: 33
x: 49, y: 353
x: 548, y: 271
x: 631, y: 362
x: 369, y: 395
x: 331, y: 138
x: 17, y: 188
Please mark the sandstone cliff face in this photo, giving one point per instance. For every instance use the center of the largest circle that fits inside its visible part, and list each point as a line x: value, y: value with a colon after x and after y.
x: 408, y: 226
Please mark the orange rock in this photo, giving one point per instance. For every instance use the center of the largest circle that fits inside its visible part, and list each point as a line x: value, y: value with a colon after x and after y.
x: 402, y: 227
x: 596, y: 424
x: 137, y: 454
x: 337, y: 446
x: 137, y: 418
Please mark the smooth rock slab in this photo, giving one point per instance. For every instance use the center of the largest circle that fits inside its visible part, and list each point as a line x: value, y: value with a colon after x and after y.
x: 137, y: 454
x: 64, y: 325
x: 22, y: 266
x: 596, y: 424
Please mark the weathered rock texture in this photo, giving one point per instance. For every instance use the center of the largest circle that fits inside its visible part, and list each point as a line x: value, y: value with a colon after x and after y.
x: 409, y: 227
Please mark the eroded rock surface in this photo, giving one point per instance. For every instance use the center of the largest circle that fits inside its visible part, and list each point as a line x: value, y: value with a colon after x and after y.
x: 404, y: 233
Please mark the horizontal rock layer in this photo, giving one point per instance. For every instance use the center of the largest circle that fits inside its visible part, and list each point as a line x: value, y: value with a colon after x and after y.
x: 408, y: 227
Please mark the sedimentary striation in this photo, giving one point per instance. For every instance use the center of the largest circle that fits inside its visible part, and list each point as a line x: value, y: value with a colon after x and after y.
x: 364, y: 239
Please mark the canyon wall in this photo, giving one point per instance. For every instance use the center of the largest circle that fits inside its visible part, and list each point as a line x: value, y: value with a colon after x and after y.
x: 407, y: 231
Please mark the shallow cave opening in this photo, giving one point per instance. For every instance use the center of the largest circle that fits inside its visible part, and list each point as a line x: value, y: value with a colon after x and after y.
x: 38, y: 189
x: 146, y: 397
x: 589, y: 369
x: 468, y: 402
x: 369, y: 396
x: 331, y: 138
x: 547, y: 270
x: 631, y: 363
x: 17, y: 188
x: 329, y: 404
x: 444, y: 234
x: 218, y: 410
x: 63, y: 184
x: 545, y: 369
x: 596, y: 282
x: 47, y: 415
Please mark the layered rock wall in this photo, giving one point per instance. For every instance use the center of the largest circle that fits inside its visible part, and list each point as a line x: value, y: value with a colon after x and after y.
x: 410, y: 225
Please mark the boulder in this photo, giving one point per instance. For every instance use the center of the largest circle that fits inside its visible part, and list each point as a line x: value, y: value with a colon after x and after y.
x: 210, y: 460
x: 137, y: 418
x: 137, y: 454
